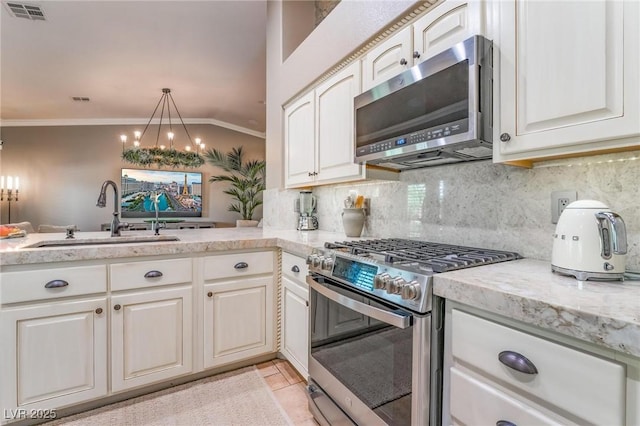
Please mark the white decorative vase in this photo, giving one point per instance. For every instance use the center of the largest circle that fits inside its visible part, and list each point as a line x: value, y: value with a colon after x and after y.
x: 353, y: 221
x: 246, y: 223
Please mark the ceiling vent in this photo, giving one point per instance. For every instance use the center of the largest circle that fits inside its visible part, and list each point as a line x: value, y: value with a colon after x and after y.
x: 19, y: 10
x: 80, y: 99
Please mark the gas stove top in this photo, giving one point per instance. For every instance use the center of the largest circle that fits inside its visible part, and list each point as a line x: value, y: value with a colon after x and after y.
x: 396, y: 270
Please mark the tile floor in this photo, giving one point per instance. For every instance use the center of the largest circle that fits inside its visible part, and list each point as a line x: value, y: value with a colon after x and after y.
x: 289, y: 388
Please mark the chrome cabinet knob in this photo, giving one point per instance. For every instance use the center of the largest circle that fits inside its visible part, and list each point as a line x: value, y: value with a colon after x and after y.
x: 379, y: 281
x: 403, y: 61
x: 416, y: 54
x: 505, y: 137
x: 411, y: 291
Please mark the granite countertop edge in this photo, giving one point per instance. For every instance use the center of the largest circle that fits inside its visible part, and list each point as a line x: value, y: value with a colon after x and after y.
x: 604, y: 313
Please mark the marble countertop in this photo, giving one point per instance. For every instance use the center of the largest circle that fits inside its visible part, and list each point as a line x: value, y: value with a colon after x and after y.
x: 15, y: 251
x: 604, y: 313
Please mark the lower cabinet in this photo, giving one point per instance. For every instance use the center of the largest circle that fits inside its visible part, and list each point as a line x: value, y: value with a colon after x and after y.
x: 295, y: 324
x: 238, y: 320
x: 53, y: 355
x: 151, y: 337
x: 498, y: 373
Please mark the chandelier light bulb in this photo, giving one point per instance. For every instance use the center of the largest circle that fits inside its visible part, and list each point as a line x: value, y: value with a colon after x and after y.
x: 9, y: 182
x: 162, y: 147
x: 17, y: 183
x: 202, y: 145
x: 136, y: 144
x: 187, y: 148
x: 198, y: 140
x: 170, y: 136
x: 123, y: 138
x: 137, y: 134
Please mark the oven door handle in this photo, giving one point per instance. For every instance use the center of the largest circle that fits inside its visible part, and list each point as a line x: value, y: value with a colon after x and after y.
x: 391, y: 318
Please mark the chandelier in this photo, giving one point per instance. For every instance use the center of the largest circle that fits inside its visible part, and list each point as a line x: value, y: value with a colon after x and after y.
x: 163, y: 154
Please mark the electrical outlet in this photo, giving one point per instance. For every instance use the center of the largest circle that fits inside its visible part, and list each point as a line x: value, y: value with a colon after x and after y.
x: 559, y: 201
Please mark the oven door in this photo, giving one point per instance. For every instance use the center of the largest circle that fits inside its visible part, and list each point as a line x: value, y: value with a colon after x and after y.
x: 368, y: 357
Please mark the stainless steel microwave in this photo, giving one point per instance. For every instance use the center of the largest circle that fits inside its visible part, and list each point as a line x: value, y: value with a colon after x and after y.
x: 437, y: 112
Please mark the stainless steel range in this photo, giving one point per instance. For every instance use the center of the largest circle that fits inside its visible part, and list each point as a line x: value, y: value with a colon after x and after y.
x: 376, y: 329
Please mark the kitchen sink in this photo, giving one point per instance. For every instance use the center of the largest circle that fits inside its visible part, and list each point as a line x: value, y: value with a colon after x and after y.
x: 103, y: 241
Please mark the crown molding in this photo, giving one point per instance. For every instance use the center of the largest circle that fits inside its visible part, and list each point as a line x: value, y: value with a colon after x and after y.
x: 127, y: 122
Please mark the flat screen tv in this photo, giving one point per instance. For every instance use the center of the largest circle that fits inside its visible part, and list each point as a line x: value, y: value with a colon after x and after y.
x: 179, y: 193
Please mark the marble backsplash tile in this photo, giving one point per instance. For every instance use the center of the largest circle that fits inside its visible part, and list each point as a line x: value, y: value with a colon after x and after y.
x: 479, y: 204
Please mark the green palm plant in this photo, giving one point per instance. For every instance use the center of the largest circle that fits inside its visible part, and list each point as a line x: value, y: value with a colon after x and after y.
x: 246, y: 179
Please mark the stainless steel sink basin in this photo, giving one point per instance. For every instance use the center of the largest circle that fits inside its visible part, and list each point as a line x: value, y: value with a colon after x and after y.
x: 103, y: 241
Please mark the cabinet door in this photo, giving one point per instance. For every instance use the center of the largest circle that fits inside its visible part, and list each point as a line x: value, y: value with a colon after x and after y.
x: 299, y: 141
x: 53, y: 354
x: 568, y: 75
x: 238, y: 320
x: 388, y: 59
x: 151, y: 337
x: 295, y: 324
x: 449, y: 23
x: 335, y: 125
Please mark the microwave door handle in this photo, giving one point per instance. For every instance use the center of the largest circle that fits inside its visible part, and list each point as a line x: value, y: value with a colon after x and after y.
x: 396, y: 320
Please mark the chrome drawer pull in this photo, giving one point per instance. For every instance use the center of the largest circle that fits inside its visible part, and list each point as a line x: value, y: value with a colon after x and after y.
x: 56, y: 284
x: 241, y: 265
x: 295, y: 269
x: 517, y: 362
x: 505, y: 423
x: 153, y: 274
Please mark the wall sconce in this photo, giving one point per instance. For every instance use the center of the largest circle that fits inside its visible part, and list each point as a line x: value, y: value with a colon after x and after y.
x: 13, y: 190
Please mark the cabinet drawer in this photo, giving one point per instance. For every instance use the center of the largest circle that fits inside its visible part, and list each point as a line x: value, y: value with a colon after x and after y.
x: 475, y: 402
x: 62, y: 282
x: 291, y: 263
x: 233, y: 265
x: 589, y: 387
x: 130, y: 275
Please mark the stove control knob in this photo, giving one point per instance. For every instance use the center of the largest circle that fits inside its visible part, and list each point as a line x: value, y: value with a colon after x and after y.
x: 379, y: 281
x: 395, y: 285
x: 411, y: 291
x: 310, y: 259
x: 326, y: 263
x: 317, y: 261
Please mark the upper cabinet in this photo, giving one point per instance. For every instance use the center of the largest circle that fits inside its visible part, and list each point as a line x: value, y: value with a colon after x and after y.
x: 568, y: 78
x: 447, y: 24
x: 319, y: 145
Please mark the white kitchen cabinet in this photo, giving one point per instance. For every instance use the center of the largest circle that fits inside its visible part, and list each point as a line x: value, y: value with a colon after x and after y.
x: 295, y: 312
x: 568, y: 78
x: 448, y: 23
x: 239, y: 307
x: 300, y: 145
x: 319, y: 141
x: 486, y: 381
x: 151, y: 336
x: 53, y: 354
x: 151, y: 329
x: 387, y: 59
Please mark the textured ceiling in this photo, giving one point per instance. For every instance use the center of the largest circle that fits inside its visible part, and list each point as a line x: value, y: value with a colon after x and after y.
x: 120, y: 54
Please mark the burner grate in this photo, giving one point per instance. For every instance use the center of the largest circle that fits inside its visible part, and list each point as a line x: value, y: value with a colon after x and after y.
x: 439, y: 257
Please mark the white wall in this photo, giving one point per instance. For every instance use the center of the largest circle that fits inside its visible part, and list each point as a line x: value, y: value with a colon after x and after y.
x: 62, y: 168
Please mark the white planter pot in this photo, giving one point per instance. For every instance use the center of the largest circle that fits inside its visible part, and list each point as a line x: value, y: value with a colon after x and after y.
x: 246, y: 223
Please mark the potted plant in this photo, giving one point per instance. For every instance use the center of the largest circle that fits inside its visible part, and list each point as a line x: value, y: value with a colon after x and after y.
x: 246, y: 179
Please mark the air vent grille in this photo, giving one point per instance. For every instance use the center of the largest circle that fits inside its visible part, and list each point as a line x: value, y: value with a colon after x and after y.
x: 26, y: 11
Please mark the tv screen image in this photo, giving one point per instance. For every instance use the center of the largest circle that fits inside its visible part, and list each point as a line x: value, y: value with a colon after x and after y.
x: 179, y: 193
